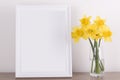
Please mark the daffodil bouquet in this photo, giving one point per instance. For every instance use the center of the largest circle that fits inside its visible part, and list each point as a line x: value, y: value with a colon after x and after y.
x: 93, y: 31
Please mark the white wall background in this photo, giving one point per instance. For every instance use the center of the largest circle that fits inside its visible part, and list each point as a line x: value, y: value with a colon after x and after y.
x: 108, y: 9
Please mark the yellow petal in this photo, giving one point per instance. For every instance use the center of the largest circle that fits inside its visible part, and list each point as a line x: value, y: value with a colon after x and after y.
x: 108, y: 39
x: 75, y: 28
x: 76, y: 40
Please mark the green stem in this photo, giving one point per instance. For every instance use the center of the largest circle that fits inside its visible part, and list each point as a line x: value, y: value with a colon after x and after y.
x: 101, y: 64
x: 97, y: 67
x: 92, y: 65
x: 102, y: 67
x: 94, y: 43
x: 99, y: 42
x: 91, y: 44
x: 93, y: 54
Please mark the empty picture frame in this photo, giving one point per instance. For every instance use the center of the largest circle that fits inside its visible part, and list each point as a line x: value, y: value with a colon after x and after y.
x: 43, y: 41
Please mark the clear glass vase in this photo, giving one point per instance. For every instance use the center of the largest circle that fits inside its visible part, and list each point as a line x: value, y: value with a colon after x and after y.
x: 96, y: 62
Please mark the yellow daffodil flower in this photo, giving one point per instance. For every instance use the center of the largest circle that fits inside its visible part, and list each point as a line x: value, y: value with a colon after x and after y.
x: 91, y: 30
x: 97, y: 36
x: 75, y: 37
x: 85, y: 20
x: 99, y: 22
x: 77, y: 33
x: 107, y: 35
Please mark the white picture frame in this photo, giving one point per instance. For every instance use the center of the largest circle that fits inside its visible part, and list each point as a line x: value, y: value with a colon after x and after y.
x: 43, y: 41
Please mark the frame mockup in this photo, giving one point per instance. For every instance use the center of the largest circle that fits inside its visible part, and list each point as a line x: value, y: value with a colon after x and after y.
x: 43, y: 41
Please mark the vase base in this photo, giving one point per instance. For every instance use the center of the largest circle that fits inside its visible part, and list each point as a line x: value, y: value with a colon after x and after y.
x: 96, y: 75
